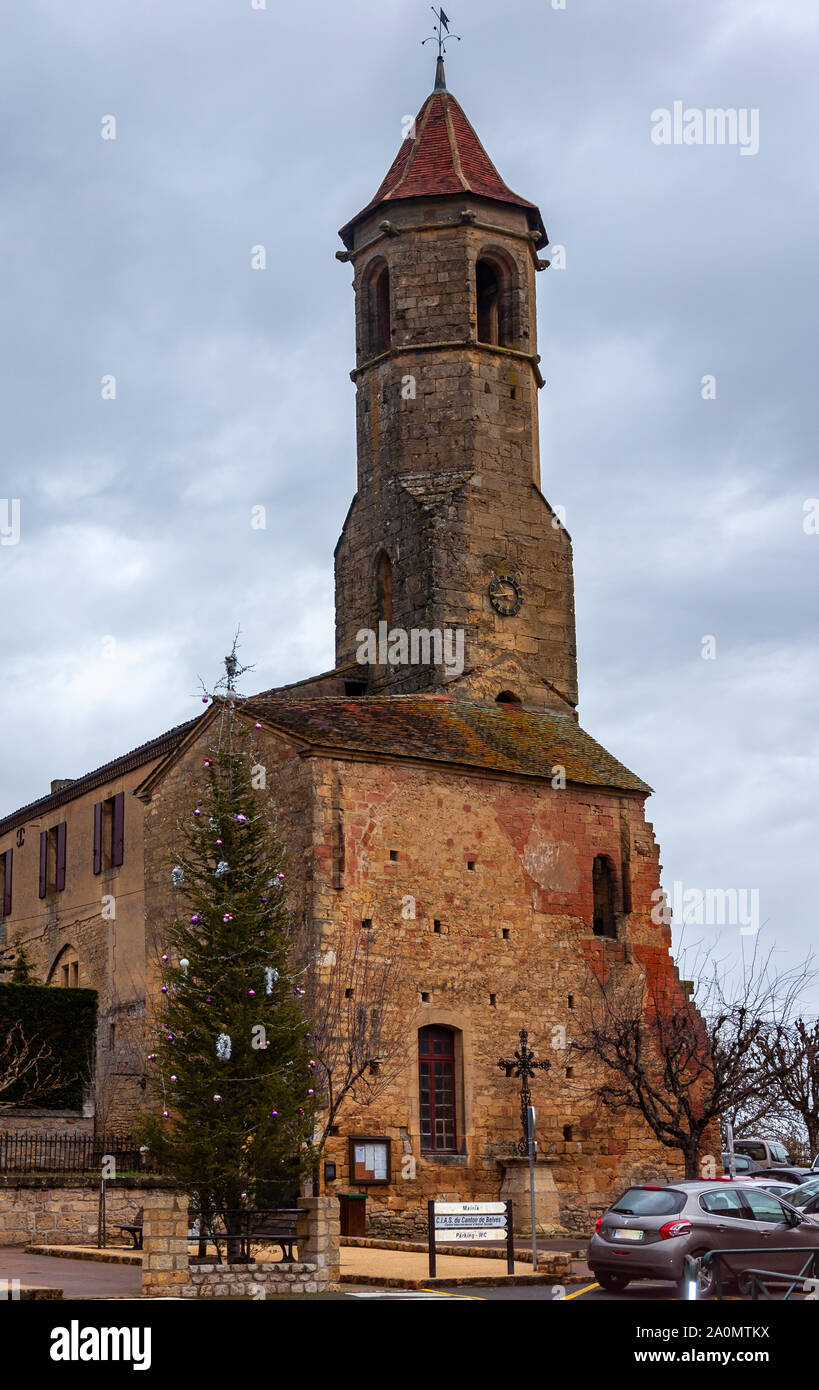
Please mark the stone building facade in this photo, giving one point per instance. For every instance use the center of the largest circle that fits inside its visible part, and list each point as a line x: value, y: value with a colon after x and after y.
x: 454, y: 811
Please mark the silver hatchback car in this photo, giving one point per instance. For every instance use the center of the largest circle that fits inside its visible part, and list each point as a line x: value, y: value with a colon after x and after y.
x: 650, y: 1230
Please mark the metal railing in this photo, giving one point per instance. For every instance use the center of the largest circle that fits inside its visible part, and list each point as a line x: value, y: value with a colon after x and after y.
x: 33, y: 1152
x: 757, y: 1282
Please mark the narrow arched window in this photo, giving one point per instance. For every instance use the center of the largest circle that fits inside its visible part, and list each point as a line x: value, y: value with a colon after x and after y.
x: 383, y: 587
x: 488, y: 290
x: 603, y: 884
x: 379, y: 311
x: 437, y: 1089
x: 66, y: 969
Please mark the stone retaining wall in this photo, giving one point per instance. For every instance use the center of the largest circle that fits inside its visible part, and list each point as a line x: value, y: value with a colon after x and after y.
x: 45, y: 1122
x: 36, y: 1210
x: 251, y: 1280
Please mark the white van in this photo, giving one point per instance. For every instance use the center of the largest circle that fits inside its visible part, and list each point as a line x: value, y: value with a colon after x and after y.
x: 762, y: 1151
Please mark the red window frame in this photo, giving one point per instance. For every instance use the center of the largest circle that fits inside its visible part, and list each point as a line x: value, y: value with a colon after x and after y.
x: 436, y: 1088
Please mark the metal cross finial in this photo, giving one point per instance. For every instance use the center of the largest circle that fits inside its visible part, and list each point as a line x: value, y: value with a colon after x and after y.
x: 522, y: 1066
x: 441, y: 32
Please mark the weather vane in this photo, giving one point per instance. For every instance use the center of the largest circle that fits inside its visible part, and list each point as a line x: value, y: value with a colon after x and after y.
x: 441, y: 32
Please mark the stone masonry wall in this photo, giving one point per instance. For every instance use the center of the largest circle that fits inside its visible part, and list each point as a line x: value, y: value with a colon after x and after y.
x: 36, y: 1210
x: 512, y: 949
x: 43, y: 1122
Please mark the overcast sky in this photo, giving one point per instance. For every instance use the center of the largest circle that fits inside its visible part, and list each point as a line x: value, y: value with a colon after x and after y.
x: 238, y: 127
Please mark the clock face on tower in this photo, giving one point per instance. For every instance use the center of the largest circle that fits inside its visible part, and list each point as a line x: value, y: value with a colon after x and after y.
x: 505, y: 595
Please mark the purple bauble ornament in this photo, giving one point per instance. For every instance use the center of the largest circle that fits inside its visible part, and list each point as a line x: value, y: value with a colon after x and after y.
x: 301, y: 1112
x: 170, y: 1037
x: 164, y: 989
x: 208, y: 1000
x: 251, y: 992
x: 165, y: 1114
x: 280, y: 877
x: 264, y: 900
x: 274, y: 1114
x: 240, y: 818
x: 196, y: 919
x: 173, y: 1078
x: 257, y: 726
x: 204, y: 699
x: 311, y: 1092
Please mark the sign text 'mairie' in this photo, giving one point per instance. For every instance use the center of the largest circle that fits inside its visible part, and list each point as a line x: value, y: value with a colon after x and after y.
x: 457, y: 1208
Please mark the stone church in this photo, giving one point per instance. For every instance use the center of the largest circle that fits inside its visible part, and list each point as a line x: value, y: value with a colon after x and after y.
x: 440, y: 764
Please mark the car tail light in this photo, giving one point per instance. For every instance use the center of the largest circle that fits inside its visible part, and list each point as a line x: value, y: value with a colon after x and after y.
x: 598, y: 1223
x: 675, y: 1228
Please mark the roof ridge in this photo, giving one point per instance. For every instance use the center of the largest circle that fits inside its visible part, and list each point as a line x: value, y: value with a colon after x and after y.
x: 453, y: 145
x: 87, y: 780
x: 415, y: 146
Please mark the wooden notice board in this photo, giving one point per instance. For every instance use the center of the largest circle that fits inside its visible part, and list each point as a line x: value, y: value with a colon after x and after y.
x: 369, y: 1159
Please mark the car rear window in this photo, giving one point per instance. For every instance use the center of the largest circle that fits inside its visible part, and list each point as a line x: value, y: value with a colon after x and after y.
x: 648, y: 1201
x: 798, y: 1196
x: 747, y: 1146
x: 742, y: 1162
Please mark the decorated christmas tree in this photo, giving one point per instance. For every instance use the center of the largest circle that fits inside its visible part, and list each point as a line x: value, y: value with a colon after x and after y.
x: 231, y: 1067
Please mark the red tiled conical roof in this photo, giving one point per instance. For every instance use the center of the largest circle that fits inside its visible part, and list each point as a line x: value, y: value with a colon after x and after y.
x: 445, y: 156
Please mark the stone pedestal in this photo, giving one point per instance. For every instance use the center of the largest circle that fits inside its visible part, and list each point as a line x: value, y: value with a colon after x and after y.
x: 319, y: 1236
x: 164, y: 1244
x: 515, y: 1185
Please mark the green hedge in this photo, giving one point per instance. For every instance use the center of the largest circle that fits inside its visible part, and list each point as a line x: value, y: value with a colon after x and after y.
x: 64, y: 1019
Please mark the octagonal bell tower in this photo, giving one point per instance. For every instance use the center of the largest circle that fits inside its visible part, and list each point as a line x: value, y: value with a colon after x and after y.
x: 448, y: 529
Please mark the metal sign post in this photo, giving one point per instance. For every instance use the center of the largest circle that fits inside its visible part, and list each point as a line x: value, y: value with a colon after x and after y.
x: 510, y: 1237
x: 532, y: 1143
x: 732, y: 1167
x: 470, y: 1223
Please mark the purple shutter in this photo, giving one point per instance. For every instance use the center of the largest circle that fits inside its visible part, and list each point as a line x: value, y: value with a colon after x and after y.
x: 118, y: 838
x: 9, y: 858
x: 98, y: 837
x: 43, y: 862
x: 60, y: 885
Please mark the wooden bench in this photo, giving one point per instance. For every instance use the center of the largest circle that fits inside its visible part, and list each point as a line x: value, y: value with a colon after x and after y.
x: 134, y: 1229
x: 278, y: 1227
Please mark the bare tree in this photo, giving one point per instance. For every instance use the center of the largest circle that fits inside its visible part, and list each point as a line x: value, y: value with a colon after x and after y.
x: 356, y: 999
x: 683, y: 1060
x: 789, y: 1054
x: 28, y: 1066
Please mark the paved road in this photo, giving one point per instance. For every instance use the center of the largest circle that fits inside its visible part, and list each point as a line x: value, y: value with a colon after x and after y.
x: 77, y: 1278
